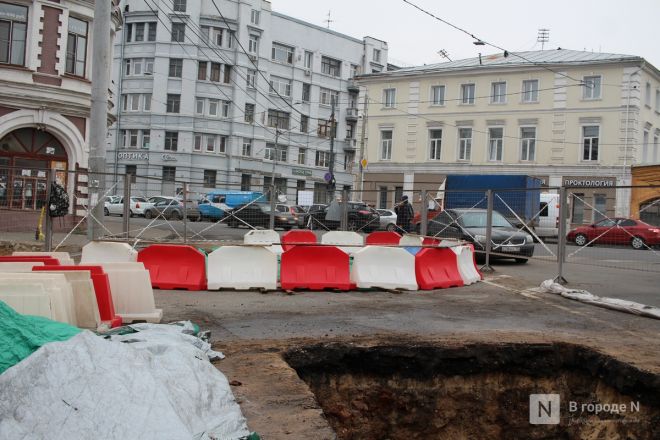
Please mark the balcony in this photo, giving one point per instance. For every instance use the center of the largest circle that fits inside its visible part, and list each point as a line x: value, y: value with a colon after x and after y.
x: 350, y: 145
x: 353, y: 86
x: 352, y: 114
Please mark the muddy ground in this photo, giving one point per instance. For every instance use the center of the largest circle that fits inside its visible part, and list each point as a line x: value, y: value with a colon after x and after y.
x: 254, y: 330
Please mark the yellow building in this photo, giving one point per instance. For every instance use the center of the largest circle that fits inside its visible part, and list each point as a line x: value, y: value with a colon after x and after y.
x: 568, y: 117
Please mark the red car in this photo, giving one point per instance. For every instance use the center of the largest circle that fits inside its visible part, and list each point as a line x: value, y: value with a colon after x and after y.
x: 617, y: 231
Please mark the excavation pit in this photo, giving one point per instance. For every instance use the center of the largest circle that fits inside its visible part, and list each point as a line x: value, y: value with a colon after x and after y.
x: 477, y: 391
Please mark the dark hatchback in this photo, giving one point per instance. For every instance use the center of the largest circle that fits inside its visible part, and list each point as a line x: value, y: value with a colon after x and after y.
x: 470, y: 225
x: 258, y: 215
x: 360, y: 218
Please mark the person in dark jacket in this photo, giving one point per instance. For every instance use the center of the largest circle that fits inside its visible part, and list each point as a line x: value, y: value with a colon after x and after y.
x: 404, y: 214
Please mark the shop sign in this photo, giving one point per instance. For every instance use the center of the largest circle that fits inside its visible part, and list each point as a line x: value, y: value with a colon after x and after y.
x: 126, y: 155
x: 168, y: 157
x: 590, y: 182
x: 301, y: 172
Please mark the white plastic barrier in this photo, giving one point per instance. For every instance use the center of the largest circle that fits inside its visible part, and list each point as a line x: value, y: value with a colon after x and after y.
x: 56, y: 287
x: 411, y: 240
x: 261, y: 237
x: 84, y: 298
x: 63, y: 257
x: 384, y: 267
x: 17, y: 267
x: 132, y: 294
x: 27, y: 299
x: 107, y: 252
x: 348, y: 241
x: 241, y: 267
x: 465, y: 258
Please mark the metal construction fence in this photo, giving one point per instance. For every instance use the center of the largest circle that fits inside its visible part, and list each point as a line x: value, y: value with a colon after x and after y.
x: 551, y: 225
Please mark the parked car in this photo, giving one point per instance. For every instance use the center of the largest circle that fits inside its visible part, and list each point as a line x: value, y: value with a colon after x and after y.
x: 548, y: 220
x: 387, y: 219
x: 470, y: 225
x: 116, y: 207
x: 621, y: 231
x: 172, y: 209
x: 360, y: 218
x: 109, y: 200
x: 295, y: 210
x: 215, y: 204
x: 258, y: 215
x: 303, y: 217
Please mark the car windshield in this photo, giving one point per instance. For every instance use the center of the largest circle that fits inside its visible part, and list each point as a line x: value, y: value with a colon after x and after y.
x: 138, y: 199
x: 479, y: 220
x: 298, y: 209
x: 264, y: 208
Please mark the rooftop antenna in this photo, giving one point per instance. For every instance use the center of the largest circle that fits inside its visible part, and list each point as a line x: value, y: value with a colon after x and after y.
x: 328, y: 20
x: 543, y: 37
x: 443, y: 53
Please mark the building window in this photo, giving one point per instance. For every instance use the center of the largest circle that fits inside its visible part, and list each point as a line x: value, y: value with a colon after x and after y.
x: 280, y: 86
x: 304, y: 123
x: 600, y: 204
x: 209, y: 178
x: 330, y: 66
x: 199, y: 106
x: 322, y: 159
x: 467, y: 93
x: 647, y: 95
x: 146, y: 139
x: 179, y: 5
x: 645, y: 146
x: 349, y: 158
x: 382, y: 197
x: 279, y: 153
x: 528, y: 143
x: 253, y: 44
x: 249, y: 113
x: 657, y: 101
x: 498, y: 92
x: 302, y: 156
x: 171, y: 140
x: 226, y: 78
x: 282, y: 53
x: 255, y: 17
x: 173, y: 103
x: 147, y: 102
x: 169, y: 174
x: 438, y: 95
x: 324, y: 128
x: 278, y: 119
x: 247, y: 147
x: 386, y: 144
x: 389, y: 98
x: 355, y: 70
x: 151, y: 33
x: 328, y: 96
x: 495, y: 144
x: 213, y: 107
x: 578, y: 208
x: 530, y: 90
x: 133, y: 136
x: 246, y: 182
x: 197, y: 143
x: 464, y: 143
x: 436, y: 144
x: 590, y: 136
x: 216, y: 36
x: 222, y: 146
x: 309, y: 57
x: 76, y: 47
x: 201, y: 70
x: 210, y: 143
x: 138, y: 66
x: 215, y: 72
x: 591, y: 87
x: 251, y: 78
x: 225, y: 109
x: 178, y: 32
x: 139, y: 31
x: 176, y: 68
x: 131, y: 102
x: 376, y: 55
x: 656, y: 156
x: 306, y: 92
x: 398, y: 193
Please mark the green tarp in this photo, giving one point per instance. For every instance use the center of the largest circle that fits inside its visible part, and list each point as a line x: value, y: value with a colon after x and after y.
x: 21, y: 335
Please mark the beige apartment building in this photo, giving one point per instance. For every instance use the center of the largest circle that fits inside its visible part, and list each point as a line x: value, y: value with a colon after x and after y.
x: 567, y: 117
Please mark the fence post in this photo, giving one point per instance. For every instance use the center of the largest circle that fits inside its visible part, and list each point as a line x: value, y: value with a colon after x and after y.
x: 126, y: 217
x: 489, y: 232
x: 424, y: 214
x: 48, y: 220
x: 561, y: 242
x: 271, y: 223
x: 185, y: 212
x: 343, y: 223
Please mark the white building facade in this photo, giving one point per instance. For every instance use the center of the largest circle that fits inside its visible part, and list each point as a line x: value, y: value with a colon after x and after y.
x: 234, y: 96
x: 567, y: 117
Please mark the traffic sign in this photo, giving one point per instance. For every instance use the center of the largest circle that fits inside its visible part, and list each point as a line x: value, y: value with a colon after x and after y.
x: 363, y: 162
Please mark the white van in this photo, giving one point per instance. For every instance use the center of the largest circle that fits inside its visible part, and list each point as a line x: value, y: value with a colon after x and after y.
x: 548, y: 226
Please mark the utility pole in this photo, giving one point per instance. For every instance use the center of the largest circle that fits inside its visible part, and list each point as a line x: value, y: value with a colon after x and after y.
x: 271, y: 220
x: 98, y: 122
x: 362, y: 137
x: 331, y: 166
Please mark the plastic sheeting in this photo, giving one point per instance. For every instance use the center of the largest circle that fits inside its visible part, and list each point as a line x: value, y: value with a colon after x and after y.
x: 156, y: 387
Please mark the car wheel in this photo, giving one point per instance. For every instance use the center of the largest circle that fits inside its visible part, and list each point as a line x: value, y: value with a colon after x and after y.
x: 131, y: 214
x: 148, y: 214
x: 175, y: 216
x: 637, y: 243
x: 581, y: 240
x: 521, y: 260
x: 391, y: 227
x: 352, y: 225
x: 106, y: 212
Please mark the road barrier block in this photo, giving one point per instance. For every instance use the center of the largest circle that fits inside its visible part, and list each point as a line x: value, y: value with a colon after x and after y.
x: 55, y: 285
x: 383, y: 237
x: 107, y: 252
x: 431, y: 241
x: 174, y: 266
x: 297, y: 236
x: 132, y: 294
x: 467, y: 267
x: 315, y: 268
x: 47, y: 261
x: 242, y: 268
x: 27, y: 299
x: 101, y: 290
x: 411, y: 240
x: 347, y: 241
x: 437, y: 268
x: 263, y: 237
x: 383, y: 267
x: 17, y: 267
x: 63, y: 257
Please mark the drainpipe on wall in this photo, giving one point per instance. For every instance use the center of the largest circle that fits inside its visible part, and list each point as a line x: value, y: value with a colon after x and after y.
x: 119, y: 103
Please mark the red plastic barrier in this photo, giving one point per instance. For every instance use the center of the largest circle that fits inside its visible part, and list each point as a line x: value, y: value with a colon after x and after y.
x: 431, y: 241
x: 174, y: 267
x: 474, y: 260
x: 315, y: 268
x: 297, y: 236
x: 437, y: 268
x: 48, y: 261
x: 383, y: 237
x: 101, y: 289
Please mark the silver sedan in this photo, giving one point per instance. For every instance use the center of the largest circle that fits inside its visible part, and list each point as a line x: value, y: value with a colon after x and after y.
x: 387, y: 219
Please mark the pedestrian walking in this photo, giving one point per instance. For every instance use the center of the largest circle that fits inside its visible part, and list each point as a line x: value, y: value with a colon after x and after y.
x: 404, y: 214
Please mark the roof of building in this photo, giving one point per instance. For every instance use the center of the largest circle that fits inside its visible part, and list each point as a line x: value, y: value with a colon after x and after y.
x: 315, y: 26
x: 517, y: 59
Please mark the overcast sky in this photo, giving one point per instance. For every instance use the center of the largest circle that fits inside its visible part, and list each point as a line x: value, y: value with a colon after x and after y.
x: 614, y: 26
